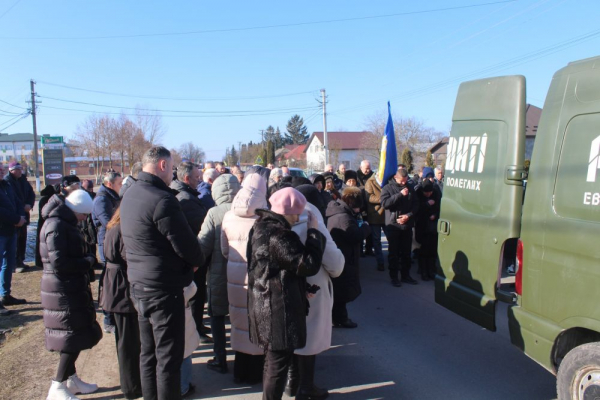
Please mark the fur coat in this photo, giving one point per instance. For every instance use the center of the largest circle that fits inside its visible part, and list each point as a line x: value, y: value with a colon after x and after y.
x: 278, y: 264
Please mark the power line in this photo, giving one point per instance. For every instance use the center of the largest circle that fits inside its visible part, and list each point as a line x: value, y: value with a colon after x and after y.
x: 10, y: 104
x: 9, y: 112
x: 288, y: 25
x: 179, y: 98
x: 492, y: 68
x: 180, y: 111
x: 175, y: 116
x: 17, y: 118
x: 11, y: 7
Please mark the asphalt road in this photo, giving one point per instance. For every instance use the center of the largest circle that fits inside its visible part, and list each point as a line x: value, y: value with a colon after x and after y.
x: 407, y: 347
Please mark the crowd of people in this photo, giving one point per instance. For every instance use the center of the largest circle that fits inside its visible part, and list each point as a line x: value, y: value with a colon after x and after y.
x: 279, y: 255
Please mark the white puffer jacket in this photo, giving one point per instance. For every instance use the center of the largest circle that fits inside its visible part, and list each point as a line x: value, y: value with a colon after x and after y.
x: 192, y: 338
x: 318, y: 321
x: 234, y: 241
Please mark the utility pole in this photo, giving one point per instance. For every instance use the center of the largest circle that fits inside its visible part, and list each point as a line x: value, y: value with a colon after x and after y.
x: 262, y: 137
x: 240, y: 154
x: 325, y: 140
x: 35, y: 140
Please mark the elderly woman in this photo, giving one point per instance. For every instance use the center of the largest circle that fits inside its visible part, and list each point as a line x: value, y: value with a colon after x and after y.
x: 249, y: 358
x: 224, y: 189
x: 278, y: 264
x: 348, y: 231
x: 69, y: 314
x: 318, y: 322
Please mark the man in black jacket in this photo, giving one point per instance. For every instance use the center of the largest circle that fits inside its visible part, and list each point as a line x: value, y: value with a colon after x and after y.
x: 162, y: 252
x: 12, y: 217
x: 26, y: 197
x: 194, y: 209
x: 401, y: 205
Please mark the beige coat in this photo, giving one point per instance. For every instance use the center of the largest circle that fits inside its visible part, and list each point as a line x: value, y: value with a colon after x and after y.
x: 318, y: 322
x: 234, y: 240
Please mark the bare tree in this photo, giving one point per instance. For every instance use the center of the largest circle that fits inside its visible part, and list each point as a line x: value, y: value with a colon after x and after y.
x: 176, y: 157
x: 192, y: 152
x: 150, y: 123
x: 90, y: 134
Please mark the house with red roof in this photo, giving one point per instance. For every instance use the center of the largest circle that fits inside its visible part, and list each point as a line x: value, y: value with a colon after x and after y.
x: 348, y: 148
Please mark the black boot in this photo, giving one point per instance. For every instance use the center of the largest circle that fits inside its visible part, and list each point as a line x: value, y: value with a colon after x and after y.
x: 432, y: 268
x: 394, y: 277
x: 291, y: 385
x: 307, y: 389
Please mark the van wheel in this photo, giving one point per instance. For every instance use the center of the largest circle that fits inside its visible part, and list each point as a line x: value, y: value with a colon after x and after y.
x: 579, y: 373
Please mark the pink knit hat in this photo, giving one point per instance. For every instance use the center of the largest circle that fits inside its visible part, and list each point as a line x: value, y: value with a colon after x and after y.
x: 287, y: 201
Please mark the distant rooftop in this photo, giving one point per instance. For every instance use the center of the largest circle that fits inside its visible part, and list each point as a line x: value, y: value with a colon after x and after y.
x: 18, y: 137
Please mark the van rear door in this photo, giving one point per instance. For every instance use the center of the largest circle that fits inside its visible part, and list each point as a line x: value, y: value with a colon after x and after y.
x: 483, y: 194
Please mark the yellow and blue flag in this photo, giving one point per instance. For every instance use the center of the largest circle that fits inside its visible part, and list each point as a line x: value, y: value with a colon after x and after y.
x: 388, y: 162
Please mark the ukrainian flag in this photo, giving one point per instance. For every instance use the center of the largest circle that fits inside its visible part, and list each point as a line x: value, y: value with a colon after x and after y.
x: 388, y: 162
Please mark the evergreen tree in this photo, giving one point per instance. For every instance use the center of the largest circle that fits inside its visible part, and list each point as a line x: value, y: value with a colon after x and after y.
x: 407, y: 159
x: 233, y: 156
x: 278, y: 139
x: 296, y: 131
x: 429, y: 159
x: 270, y: 152
x: 269, y: 134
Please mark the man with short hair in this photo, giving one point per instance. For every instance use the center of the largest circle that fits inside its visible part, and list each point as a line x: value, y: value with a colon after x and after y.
x: 204, y: 188
x: 270, y: 166
x: 162, y: 252
x: 26, y: 196
x: 105, y: 203
x: 286, y: 171
x: 131, y: 178
x: 439, y: 179
x: 220, y: 167
x: 208, y: 165
x: 410, y: 181
x: 328, y: 168
x: 364, y: 173
x: 12, y: 217
x: 341, y: 172
x: 401, y: 206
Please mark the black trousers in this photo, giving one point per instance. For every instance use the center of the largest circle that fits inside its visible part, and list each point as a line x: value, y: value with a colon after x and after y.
x: 276, y: 368
x: 197, y: 302
x: 248, y: 368
x: 66, y: 366
x: 399, y: 243
x: 339, y: 312
x: 161, y: 317
x: 21, y: 244
x: 217, y: 327
x: 127, y: 338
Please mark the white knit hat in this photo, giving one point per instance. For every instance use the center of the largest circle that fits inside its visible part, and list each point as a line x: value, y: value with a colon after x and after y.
x: 80, y: 202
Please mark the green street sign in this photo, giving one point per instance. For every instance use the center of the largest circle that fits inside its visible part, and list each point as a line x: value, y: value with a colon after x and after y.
x: 259, y: 160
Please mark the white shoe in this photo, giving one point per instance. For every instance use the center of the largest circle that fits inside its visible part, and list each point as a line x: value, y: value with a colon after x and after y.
x: 76, y: 385
x: 59, y: 391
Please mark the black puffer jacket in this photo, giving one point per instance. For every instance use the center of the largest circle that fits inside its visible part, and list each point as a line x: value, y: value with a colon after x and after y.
x: 69, y: 314
x: 192, y: 207
x: 10, y: 209
x: 115, y: 287
x: 161, y: 248
x: 278, y: 263
x: 344, y: 229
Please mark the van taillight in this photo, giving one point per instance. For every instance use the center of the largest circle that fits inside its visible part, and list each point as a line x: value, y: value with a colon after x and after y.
x: 519, y: 275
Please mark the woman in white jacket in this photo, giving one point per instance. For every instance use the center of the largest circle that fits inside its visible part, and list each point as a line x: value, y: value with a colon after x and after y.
x: 318, y: 322
x: 249, y: 358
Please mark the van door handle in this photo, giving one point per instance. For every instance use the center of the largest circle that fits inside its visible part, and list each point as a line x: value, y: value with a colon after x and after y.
x: 515, y: 174
x: 444, y: 227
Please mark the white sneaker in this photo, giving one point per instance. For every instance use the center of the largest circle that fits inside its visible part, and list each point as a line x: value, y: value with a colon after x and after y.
x: 76, y: 385
x: 59, y: 391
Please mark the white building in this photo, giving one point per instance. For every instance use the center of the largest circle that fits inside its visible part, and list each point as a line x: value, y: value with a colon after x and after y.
x: 348, y: 148
x: 17, y: 147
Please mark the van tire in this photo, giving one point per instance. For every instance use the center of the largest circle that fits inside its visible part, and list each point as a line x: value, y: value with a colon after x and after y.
x: 579, y: 369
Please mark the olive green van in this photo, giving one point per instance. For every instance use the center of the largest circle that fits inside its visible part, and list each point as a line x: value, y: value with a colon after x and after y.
x: 554, y: 227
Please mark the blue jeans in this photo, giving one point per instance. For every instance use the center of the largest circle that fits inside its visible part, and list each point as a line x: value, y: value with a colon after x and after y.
x: 186, y: 374
x: 376, y: 233
x: 8, y: 259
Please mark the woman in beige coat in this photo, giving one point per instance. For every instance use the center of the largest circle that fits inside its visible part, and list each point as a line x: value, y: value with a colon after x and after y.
x: 249, y: 358
x: 318, y: 322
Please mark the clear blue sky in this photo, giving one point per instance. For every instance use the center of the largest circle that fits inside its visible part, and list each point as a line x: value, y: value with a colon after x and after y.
x: 414, y: 54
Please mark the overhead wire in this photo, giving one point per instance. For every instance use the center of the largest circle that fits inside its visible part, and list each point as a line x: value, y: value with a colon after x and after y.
x: 15, y: 119
x: 303, y: 107
x: 287, y: 25
x: 173, y: 116
x: 10, y: 104
x: 154, y: 97
x: 516, y: 61
x: 10, y: 8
